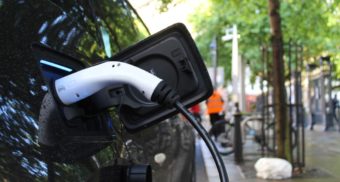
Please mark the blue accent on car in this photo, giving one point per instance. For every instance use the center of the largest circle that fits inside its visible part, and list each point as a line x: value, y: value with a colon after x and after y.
x: 48, y: 63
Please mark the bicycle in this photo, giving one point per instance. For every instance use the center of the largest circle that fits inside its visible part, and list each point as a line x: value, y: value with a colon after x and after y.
x: 222, y: 132
x: 262, y: 132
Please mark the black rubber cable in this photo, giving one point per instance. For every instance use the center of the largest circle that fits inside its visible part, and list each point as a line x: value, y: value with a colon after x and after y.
x: 211, y: 146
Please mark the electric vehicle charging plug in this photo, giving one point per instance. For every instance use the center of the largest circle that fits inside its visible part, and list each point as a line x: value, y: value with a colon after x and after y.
x: 84, y: 83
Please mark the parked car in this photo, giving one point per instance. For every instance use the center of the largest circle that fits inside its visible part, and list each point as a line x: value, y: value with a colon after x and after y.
x: 91, y: 31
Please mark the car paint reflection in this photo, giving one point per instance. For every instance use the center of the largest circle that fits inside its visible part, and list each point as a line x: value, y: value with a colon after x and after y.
x: 66, y: 27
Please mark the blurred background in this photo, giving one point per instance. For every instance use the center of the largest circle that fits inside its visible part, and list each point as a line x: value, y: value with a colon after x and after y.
x: 279, y: 60
x: 274, y: 65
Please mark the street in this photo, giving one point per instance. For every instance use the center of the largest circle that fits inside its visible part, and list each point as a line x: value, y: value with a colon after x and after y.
x: 322, y: 160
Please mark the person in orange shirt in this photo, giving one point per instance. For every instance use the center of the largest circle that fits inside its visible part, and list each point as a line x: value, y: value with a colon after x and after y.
x: 215, y: 104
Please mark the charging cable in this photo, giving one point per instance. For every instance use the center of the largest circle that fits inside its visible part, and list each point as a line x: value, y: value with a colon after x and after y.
x: 84, y: 83
x: 205, y: 136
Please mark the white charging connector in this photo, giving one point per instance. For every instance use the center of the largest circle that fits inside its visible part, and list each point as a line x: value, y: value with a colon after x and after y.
x: 84, y: 83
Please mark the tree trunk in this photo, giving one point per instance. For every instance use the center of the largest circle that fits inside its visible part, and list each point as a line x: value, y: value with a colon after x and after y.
x: 283, y: 151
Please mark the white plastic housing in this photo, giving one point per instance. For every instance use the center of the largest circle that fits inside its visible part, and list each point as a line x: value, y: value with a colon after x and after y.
x: 82, y: 84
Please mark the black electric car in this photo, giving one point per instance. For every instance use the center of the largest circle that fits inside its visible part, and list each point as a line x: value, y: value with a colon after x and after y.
x: 90, y: 31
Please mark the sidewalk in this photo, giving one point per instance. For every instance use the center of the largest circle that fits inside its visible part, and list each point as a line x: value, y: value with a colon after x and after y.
x: 322, y: 160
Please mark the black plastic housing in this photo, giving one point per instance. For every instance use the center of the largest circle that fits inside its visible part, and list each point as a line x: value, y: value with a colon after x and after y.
x: 172, y: 55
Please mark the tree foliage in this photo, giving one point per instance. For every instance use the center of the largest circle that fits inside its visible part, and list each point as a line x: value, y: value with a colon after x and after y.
x: 164, y: 5
x: 314, y: 24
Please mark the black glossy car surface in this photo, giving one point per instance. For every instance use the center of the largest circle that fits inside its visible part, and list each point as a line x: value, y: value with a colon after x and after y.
x: 90, y: 31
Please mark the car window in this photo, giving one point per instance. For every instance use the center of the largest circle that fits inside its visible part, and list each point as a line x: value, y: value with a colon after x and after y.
x: 94, y: 29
